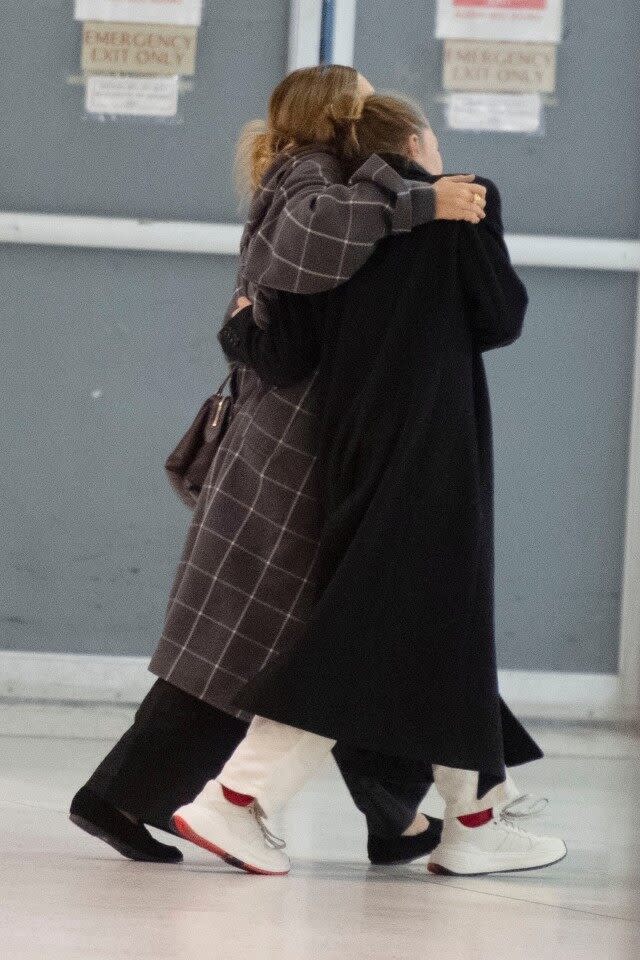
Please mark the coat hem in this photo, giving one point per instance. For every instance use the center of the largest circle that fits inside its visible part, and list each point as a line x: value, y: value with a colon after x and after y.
x: 371, y: 741
x: 188, y: 685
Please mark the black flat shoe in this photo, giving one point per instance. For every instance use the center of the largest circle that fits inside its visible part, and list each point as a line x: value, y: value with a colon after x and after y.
x: 97, y: 817
x: 384, y: 851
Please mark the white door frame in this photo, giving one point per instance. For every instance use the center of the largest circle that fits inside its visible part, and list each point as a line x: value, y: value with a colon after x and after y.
x: 305, y: 23
x: 629, y: 653
x: 344, y: 31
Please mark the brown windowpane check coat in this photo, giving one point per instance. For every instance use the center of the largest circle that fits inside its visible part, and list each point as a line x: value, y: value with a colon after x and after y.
x: 246, y: 582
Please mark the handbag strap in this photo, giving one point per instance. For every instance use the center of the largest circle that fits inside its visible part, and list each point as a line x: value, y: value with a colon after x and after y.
x: 218, y: 406
x: 226, y: 380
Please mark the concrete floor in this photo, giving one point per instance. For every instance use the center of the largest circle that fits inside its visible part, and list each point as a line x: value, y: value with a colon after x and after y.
x: 65, y: 896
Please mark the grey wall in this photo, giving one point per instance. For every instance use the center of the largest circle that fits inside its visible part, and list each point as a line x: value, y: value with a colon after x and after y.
x: 561, y: 395
x: 90, y: 531
x: 561, y: 410
x: 580, y: 177
x: 62, y: 161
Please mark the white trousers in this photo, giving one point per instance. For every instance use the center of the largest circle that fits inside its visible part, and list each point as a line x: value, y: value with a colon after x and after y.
x: 274, y: 761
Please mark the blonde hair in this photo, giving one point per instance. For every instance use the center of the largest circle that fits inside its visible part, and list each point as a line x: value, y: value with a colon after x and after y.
x: 386, y: 123
x: 312, y: 105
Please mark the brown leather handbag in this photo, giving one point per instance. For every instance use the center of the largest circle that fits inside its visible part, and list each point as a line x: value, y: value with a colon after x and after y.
x: 188, y: 465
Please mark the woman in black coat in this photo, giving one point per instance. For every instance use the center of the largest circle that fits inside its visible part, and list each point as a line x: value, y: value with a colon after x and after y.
x: 399, y: 656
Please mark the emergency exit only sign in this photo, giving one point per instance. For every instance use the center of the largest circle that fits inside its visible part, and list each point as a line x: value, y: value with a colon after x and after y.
x: 487, y: 67
x: 138, y: 48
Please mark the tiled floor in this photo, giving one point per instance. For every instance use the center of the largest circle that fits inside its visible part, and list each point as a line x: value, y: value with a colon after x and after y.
x: 64, y: 895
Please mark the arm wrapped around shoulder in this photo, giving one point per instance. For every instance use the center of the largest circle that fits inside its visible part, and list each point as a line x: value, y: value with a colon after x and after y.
x: 283, y: 353
x: 319, y: 230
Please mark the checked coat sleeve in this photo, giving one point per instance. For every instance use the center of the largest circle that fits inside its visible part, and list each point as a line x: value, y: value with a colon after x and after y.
x: 319, y: 231
x: 308, y: 231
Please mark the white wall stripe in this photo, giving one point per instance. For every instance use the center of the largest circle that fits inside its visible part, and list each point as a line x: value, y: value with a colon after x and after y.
x: 527, y: 250
x: 77, y: 678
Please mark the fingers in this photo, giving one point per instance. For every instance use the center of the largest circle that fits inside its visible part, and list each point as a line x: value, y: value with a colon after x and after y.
x: 458, y: 198
x: 475, y: 203
x: 241, y: 303
x: 476, y: 190
x: 472, y: 208
x: 460, y: 177
x: 470, y: 215
x: 472, y: 194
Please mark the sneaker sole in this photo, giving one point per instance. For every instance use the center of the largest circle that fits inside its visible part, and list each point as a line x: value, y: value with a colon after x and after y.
x: 122, y: 848
x: 188, y: 833
x: 437, y: 868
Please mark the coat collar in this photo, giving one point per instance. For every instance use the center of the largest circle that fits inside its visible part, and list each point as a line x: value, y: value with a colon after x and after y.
x: 407, y: 168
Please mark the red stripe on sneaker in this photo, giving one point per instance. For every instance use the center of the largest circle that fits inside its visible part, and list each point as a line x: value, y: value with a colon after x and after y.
x: 476, y: 819
x: 237, y: 799
x: 187, y: 833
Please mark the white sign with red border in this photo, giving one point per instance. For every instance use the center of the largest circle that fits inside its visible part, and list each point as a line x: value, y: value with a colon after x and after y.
x: 185, y: 13
x: 524, y: 21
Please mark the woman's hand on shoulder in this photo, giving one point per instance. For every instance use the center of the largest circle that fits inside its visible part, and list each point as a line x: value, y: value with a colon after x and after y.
x: 241, y: 303
x: 459, y: 198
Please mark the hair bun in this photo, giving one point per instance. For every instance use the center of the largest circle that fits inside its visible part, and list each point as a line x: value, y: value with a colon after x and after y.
x: 346, y: 110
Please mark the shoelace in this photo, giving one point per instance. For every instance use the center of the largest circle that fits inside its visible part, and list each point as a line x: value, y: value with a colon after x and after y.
x: 276, y: 842
x: 519, y: 809
x: 510, y: 825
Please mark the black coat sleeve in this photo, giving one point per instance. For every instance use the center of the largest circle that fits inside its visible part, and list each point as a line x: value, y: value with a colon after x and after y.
x: 497, y: 298
x: 284, y: 352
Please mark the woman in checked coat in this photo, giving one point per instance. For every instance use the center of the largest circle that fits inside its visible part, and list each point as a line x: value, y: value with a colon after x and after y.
x: 246, y: 583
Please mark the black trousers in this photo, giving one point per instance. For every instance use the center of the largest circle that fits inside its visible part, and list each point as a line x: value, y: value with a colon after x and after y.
x: 177, y: 743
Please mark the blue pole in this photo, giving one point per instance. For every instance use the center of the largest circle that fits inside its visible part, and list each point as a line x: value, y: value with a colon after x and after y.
x: 327, y: 31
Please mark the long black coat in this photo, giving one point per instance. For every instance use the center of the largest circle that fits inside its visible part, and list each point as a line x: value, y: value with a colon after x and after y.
x: 399, y: 654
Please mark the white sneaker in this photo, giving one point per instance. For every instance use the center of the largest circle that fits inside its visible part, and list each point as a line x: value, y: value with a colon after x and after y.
x: 237, y: 834
x: 496, y: 847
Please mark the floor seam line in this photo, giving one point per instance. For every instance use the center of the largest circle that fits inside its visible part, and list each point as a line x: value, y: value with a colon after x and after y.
x: 538, y: 903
